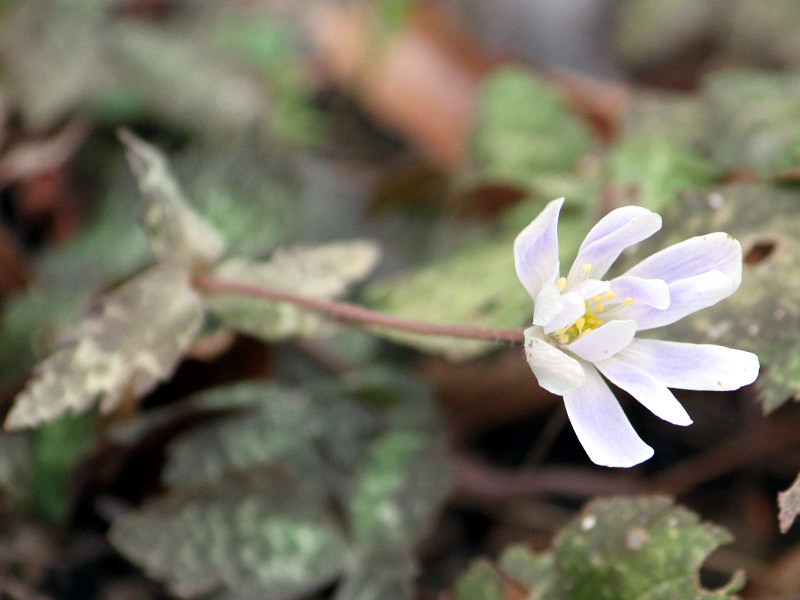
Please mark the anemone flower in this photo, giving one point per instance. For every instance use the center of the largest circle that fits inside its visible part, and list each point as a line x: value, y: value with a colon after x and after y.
x: 584, y: 327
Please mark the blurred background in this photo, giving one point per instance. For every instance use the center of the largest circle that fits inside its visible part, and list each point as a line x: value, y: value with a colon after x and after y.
x: 438, y: 129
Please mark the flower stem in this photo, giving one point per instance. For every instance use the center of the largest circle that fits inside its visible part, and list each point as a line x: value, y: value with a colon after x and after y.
x: 352, y: 313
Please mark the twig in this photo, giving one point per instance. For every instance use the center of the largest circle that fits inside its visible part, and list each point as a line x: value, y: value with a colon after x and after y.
x: 352, y: 313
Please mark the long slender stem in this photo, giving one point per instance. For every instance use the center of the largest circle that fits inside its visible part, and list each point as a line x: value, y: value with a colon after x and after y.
x: 351, y: 313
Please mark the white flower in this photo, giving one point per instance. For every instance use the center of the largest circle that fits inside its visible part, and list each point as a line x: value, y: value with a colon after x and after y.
x: 584, y: 327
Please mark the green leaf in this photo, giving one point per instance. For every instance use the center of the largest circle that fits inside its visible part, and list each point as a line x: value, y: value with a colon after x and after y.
x: 57, y: 448
x: 651, y: 171
x: 288, y: 427
x: 481, y: 582
x: 789, y: 503
x: 754, y: 122
x: 383, y: 576
x: 175, y: 231
x: 316, y: 271
x: 256, y: 535
x: 400, y: 486
x: 16, y: 468
x: 524, y: 130
x: 476, y: 285
x: 762, y: 316
x: 134, y: 341
x: 638, y: 548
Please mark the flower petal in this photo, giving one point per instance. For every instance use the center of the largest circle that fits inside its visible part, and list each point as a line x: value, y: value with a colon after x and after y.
x: 616, y: 231
x: 692, y: 366
x: 536, y: 249
x: 603, y: 342
x: 686, y: 296
x: 602, y: 427
x: 648, y: 390
x: 555, y: 371
x: 650, y: 292
x: 695, y: 256
x: 591, y: 287
x: 547, y: 304
x: 573, y: 308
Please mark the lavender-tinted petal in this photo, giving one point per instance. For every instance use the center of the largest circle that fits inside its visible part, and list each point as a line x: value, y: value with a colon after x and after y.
x: 616, y: 231
x: 555, y: 371
x: 695, y: 256
x: 573, y: 308
x: 603, y: 342
x: 547, y: 304
x: 686, y: 296
x: 536, y: 249
x: 692, y: 366
x: 601, y: 426
x: 648, y: 390
x: 591, y: 287
x: 650, y: 292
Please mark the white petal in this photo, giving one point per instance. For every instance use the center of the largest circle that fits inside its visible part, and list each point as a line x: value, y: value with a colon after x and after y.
x: 547, y: 304
x: 536, y: 249
x: 692, y: 366
x: 555, y: 371
x: 686, y: 296
x: 697, y: 255
x: 648, y: 390
x: 602, y: 427
x: 604, y: 342
x: 573, y: 308
x: 616, y: 231
x: 591, y: 287
x: 650, y: 292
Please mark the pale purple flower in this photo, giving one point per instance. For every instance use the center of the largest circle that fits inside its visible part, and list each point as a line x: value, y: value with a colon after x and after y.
x: 584, y: 327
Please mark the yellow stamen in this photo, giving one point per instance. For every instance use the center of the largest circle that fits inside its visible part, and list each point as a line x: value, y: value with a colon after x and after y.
x: 561, y: 283
x: 598, y: 323
x: 563, y: 339
x: 600, y: 308
x: 587, y: 267
x: 580, y: 323
x: 610, y: 295
x: 628, y: 301
x: 560, y: 331
x: 583, y: 333
x: 598, y: 298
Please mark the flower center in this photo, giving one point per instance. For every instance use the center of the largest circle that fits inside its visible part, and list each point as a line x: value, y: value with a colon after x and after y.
x: 591, y: 319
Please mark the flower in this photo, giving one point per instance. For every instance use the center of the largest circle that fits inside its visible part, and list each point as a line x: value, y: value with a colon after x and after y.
x: 584, y: 327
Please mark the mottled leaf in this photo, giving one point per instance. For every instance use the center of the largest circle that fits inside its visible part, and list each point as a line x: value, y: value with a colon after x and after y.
x: 134, y: 341
x: 255, y: 535
x: 480, y: 582
x: 762, y: 316
x: 398, y: 489
x: 754, y: 122
x: 289, y: 427
x: 319, y: 272
x: 524, y: 130
x: 175, y: 231
x: 637, y: 548
x: 382, y: 576
x: 789, y: 503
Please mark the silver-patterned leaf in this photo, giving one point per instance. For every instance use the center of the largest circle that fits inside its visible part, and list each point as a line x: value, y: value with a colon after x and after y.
x: 316, y: 271
x: 134, y: 341
x: 175, y: 231
x: 255, y: 535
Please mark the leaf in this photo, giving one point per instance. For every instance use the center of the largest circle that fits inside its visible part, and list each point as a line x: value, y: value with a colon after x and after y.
x: 176, y: 233
x: 652, y: 171
x: 292, y: 428
x: 400, y: 486
x: 137, y: 338
x: 524, y: 130
x: 789, y: 503
x: 755, y: 121
x: 638, y: 548
x: 316, y: 271
x: 762, y: 316
x: 476, y: 285
x: 383, y: 576
x: 16, y: 467
x: 254, y: 535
